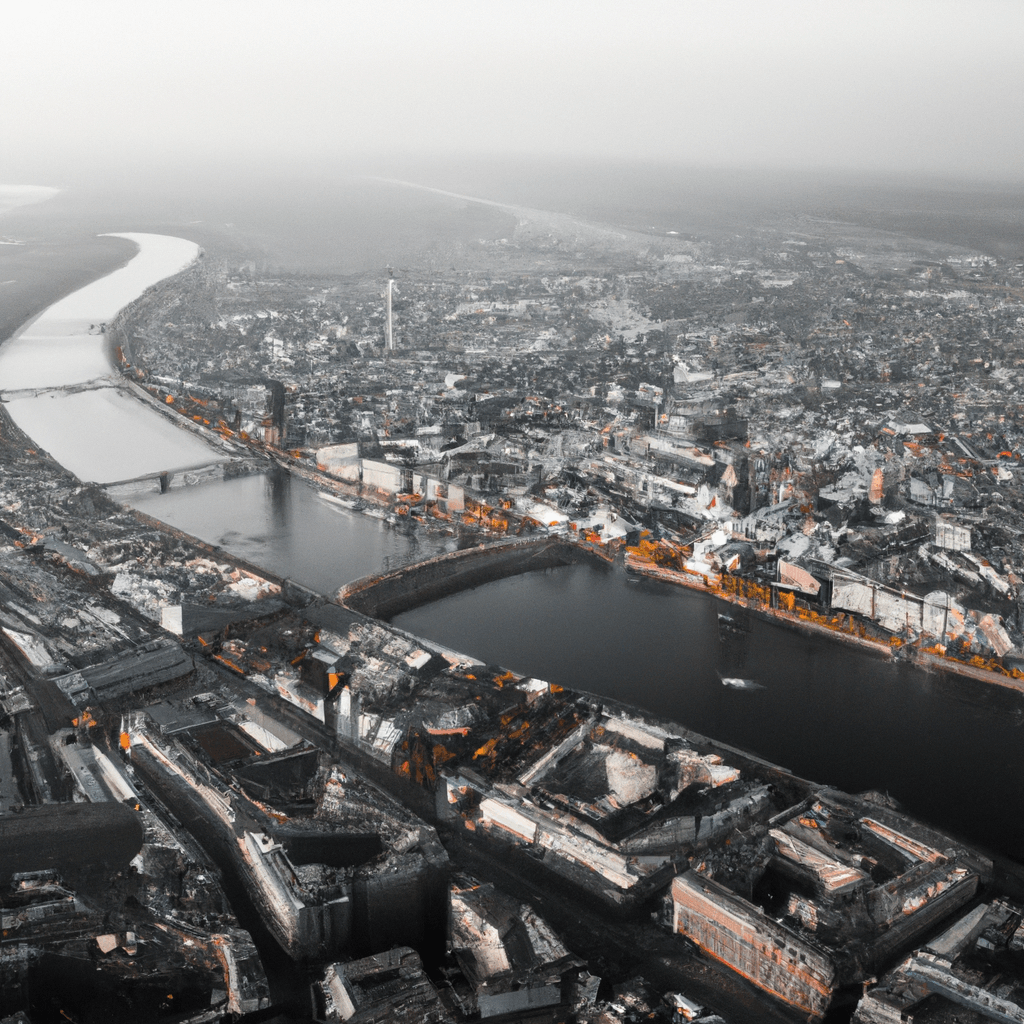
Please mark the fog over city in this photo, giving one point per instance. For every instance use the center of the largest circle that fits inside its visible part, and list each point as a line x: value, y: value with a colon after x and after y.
x: 929, y: 86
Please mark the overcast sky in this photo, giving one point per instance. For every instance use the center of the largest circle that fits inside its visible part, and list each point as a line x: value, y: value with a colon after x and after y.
x: 895, y: 85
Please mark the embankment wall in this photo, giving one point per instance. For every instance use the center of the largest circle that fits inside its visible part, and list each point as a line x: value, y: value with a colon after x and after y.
x: 384, y: 595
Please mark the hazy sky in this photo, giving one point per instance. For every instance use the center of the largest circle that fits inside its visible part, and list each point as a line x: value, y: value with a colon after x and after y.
x: 896, y: 85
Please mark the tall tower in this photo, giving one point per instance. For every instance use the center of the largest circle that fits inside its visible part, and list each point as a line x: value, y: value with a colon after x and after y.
x: 390, y: 338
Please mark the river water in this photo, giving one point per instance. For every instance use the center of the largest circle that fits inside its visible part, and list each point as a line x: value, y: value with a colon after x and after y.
x: 280, y: 523
x: 97, y: 432
x: 951, y: 750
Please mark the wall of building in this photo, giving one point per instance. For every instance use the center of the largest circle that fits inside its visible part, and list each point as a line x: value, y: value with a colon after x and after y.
x: 338, y: 457
x: 752, y: 944
x: 890, y: 610
x: 401, y: 903
x: 383, y: 476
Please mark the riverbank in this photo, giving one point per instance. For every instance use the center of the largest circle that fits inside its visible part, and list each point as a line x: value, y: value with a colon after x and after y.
x: 61, y: 387
x: 815, y: 626
x: 383, y: 595
x: 399, y: 590
x: 691, y: 581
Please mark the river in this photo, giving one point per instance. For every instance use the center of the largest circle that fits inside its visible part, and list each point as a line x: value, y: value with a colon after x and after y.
x: 59, y: 386
x: 951, y: 750
x: 280, y: 523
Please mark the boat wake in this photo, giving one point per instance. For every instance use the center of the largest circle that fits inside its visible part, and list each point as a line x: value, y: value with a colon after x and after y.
x: 735, y: 683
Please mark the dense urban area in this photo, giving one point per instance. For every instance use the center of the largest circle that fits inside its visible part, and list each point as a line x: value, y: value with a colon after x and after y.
x: 832, y: 411
x: 286, y: 808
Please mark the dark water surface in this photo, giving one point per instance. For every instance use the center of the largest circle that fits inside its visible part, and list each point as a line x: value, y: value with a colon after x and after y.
x: 951, y: 750
x: 288, y: 528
